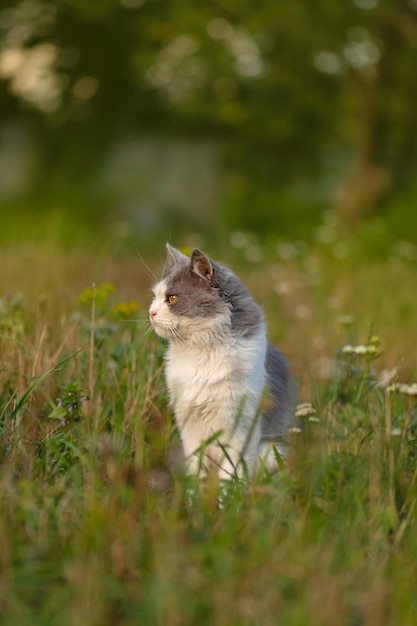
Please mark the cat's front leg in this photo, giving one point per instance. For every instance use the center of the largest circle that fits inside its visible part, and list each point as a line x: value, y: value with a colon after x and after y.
x: 212, y: 454
x: 194, y: 445
x: 238, y: 460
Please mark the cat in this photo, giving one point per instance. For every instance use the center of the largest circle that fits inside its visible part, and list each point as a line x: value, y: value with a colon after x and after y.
x: 229, y: 389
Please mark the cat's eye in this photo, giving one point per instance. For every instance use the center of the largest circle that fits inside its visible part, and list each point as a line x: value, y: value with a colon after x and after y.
x: 173, y: 298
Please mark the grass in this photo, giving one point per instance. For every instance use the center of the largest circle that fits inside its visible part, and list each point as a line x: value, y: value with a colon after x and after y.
x: 98, y: 525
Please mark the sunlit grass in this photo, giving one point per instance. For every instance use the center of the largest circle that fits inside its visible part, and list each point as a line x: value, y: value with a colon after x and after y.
x: 99, y: 526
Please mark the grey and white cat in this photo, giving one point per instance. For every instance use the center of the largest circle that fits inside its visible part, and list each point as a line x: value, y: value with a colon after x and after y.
x: 228, y: 387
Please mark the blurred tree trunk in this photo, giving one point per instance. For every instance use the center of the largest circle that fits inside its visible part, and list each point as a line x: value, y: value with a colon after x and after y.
x: 360, y: 193
x: 386, y: 112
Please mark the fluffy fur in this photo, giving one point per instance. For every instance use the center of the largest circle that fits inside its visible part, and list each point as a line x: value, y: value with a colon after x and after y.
x: 228, y: 387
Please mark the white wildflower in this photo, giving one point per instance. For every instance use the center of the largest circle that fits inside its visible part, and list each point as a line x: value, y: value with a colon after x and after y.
x: 360, y: 350
x: 396, y: 432
x: 407, y: 390
x: 295, y: 430
x: 305, y: 409
x: 386, y: 377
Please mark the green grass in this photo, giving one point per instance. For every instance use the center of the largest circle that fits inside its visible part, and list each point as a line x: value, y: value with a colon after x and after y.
x: 98, y: 526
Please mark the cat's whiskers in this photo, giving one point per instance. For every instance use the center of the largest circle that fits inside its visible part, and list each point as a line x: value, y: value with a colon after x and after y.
x: 138, y: 320
x: 177, y: 335
x: 148, y: 332
x: 145, y: 265
x: 141, y: 319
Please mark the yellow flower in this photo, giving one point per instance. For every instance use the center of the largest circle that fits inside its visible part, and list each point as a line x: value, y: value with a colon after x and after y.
x: 99, y: 294
x: 127, y: 309
x: 186, y: 250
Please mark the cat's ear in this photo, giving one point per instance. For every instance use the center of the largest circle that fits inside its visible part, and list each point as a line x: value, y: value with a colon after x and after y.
x: 174, y: 257
x: 201, y: 265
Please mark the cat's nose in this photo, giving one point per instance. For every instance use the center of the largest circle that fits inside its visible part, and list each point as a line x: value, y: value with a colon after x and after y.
x: 152, y: 313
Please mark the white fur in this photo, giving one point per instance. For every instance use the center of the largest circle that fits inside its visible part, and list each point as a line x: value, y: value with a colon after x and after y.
x: 215, y: 382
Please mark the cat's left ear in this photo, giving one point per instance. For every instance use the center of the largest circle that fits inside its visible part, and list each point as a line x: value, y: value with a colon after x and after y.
x: 201, y: 265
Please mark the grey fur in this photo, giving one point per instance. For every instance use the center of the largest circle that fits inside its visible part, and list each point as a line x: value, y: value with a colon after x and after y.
x: 282, y: 393
x: 208, y: 288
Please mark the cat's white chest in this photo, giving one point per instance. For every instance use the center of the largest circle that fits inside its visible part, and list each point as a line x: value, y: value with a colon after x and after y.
x: 215, y: 390
x: 195, y: 368
x: 207, y: 383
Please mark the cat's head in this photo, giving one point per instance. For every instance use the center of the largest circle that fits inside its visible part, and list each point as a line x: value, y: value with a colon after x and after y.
x: 187, y: 300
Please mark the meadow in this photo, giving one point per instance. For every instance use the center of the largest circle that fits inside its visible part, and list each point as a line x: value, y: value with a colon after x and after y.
x: 99, y: 526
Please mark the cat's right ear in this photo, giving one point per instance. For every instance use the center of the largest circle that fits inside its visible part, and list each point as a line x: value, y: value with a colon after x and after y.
x: 174, y: 257
x: 201, y: 265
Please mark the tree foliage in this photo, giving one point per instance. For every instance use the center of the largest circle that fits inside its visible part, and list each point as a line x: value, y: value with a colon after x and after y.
x: 284, y: 83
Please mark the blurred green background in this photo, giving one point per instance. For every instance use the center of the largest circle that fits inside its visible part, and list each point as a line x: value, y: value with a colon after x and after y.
x: 146, y: 119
